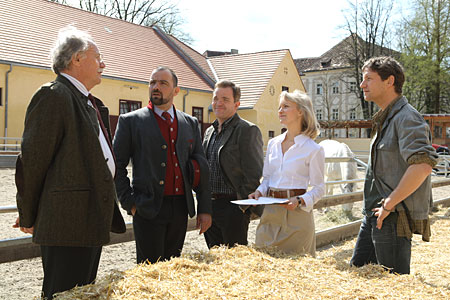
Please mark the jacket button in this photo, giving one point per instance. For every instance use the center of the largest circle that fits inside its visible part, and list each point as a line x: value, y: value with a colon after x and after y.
x: 105, y: 199
x: 164, y: 146
x: 161, y: 182
x: 163, y: 164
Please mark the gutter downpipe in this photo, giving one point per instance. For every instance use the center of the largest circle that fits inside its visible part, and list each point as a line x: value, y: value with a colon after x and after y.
x: 184, y: 100
x: 6, y: 101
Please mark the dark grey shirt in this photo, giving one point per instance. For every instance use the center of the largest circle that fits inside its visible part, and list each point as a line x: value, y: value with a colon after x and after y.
x: 216, y: 178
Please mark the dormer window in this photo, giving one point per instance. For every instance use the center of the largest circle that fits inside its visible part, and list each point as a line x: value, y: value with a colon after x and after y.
x: 326, y: 63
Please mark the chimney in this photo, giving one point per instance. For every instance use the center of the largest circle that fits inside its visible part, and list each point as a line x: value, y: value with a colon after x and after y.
x: 234, y: 51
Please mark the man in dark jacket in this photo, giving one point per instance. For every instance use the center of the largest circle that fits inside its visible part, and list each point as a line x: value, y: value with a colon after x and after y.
x: 65, y: 174
x: 161, y: 142
x: 234, y: 148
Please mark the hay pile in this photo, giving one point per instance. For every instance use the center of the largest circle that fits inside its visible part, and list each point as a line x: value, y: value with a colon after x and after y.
x: 248, y: 273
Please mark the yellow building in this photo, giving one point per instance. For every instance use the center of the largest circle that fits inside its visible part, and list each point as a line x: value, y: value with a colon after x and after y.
x: 131, y: 52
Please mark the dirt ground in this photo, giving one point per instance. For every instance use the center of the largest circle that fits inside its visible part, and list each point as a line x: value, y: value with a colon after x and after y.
x: 23, y: 279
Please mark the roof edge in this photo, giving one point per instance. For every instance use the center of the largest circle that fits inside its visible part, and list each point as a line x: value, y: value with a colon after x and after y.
x: 186, y: 57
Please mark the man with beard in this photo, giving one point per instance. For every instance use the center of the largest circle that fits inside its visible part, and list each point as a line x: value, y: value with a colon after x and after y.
x: 165, y: 148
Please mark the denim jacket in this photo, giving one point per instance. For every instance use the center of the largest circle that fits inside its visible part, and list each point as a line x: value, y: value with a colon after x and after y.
x: 403, y: 133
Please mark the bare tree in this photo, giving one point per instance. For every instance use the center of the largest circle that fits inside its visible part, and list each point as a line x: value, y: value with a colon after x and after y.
x: 368, y: 23
x: 143, y: 12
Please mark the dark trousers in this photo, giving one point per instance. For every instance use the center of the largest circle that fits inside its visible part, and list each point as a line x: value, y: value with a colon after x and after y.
x: 383, y: 246
x: 163, y: 236
x: 229, y: 224
x: 67, y: 267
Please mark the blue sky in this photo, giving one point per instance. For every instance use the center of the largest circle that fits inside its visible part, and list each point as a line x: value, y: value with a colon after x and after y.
x: 307, y: 27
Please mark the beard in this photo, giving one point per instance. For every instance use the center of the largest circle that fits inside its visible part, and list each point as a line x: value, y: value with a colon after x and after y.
x: 158, y: 99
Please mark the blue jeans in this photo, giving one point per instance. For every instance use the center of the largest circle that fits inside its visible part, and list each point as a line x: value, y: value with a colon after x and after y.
x: 382, y: 246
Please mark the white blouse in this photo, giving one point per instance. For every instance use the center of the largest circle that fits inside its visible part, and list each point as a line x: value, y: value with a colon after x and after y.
x: 302, y: 165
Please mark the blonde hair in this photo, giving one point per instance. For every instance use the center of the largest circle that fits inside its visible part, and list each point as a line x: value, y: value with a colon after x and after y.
x: 310, y: 125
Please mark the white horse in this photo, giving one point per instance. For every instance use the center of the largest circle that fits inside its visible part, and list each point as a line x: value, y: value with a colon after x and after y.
x: 339, y: 170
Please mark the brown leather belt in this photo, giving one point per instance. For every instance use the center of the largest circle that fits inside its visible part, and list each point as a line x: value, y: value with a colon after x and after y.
x: 284, y: 193
x: 223, y: 196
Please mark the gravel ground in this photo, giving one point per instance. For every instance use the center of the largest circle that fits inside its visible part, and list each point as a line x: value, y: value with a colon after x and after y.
x: 23, y: 279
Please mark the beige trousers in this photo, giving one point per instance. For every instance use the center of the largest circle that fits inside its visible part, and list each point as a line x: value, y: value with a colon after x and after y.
x: 289, y: 231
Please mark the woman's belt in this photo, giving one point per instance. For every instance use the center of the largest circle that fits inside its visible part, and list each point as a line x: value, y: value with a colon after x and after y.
x: 285, y: 193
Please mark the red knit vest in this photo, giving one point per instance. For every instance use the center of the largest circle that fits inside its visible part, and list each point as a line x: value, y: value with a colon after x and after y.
x: 173, y: 183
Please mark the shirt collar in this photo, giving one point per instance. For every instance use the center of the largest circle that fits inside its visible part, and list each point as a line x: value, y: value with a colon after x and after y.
x: 298, y: 140
x: 380, y: 116
x: 77, y: 84
x: 224, y: 125
x: 159, y: 111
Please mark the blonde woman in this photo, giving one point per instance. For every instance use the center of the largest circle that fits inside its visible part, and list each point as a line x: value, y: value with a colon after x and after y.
x: 293, y: 162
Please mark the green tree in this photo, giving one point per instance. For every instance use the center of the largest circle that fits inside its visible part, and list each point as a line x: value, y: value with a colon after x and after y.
x: 143, y: 12
x: 424, y: 42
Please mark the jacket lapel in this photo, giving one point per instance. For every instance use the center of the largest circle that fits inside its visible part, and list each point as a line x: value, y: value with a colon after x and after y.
x: 227, y: 134
x: 151, y: 126
x: 83, y: 101
x: 207, y: 137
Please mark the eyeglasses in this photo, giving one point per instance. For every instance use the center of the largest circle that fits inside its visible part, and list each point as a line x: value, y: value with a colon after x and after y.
x: 99, y: 57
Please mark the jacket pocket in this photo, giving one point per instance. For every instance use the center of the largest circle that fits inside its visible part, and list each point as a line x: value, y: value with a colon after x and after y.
x: 71, y: 209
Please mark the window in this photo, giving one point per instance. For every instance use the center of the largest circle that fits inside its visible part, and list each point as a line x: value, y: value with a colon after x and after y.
x: 437, y: 132
x: 128, y: 105
x: 319, y: 114
x: 353, y: 86
x: 319, y: 89
x: 271, y: 134
x: 1, y: 98
x: 335, y: 114
x: 198, y: 113
x: 335, y: 88
x: 352, y: 115
x: 285, y: 88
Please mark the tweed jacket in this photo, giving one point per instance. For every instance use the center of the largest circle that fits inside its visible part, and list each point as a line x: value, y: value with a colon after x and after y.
x: 139, y: 138
x: 241, y: 156
x: 403, y: 133
x: 64, y: 186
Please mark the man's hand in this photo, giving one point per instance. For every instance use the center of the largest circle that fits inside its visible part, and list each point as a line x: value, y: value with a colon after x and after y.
x: 203, y: 222
x: 23, y: 229
x: 382, y: 212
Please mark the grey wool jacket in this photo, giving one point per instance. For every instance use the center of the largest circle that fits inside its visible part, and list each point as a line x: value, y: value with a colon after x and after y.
x: 64, y: 186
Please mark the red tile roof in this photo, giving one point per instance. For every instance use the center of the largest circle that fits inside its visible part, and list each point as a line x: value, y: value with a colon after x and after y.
x: 131, y: 52
x: 252, y: 71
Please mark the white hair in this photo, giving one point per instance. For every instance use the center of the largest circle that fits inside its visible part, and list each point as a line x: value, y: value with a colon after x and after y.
x: 70, y: 42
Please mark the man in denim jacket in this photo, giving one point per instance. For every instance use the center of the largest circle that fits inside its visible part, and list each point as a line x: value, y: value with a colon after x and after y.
x: 397, y: 188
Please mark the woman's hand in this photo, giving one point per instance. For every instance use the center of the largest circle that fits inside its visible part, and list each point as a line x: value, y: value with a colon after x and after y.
x: 292, y: 204
x: 255, y: 195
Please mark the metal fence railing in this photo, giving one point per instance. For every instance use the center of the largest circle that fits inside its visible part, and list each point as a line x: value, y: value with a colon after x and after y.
x: 10, y: 144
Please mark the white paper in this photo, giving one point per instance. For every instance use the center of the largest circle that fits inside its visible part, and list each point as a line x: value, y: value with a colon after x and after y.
x: 261, y: 201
